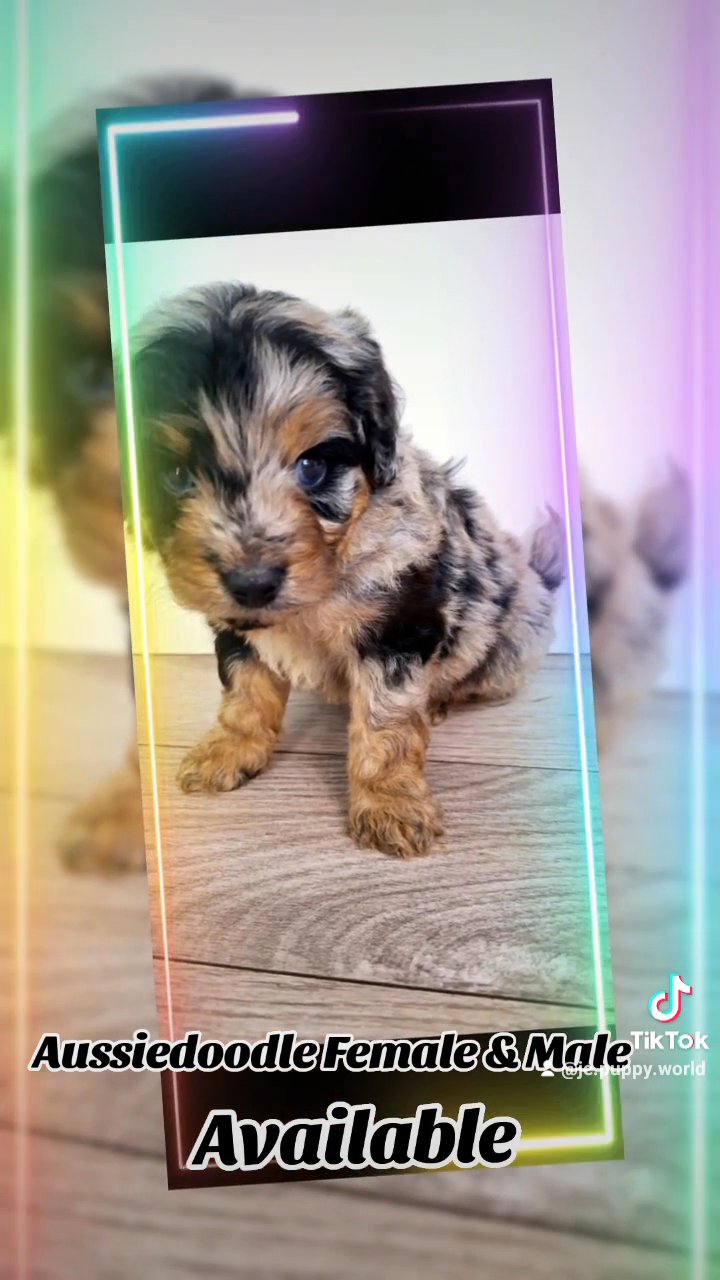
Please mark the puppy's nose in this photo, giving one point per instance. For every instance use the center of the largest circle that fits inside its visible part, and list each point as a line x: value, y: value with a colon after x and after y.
x: 255, y: 584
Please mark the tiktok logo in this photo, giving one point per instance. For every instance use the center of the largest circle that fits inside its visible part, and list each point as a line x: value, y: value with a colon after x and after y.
x: 665, y: 1006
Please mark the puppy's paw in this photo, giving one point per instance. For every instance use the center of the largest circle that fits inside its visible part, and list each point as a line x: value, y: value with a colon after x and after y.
x: 223, y: 761
x: 105, y: 833
x: 399, y: 824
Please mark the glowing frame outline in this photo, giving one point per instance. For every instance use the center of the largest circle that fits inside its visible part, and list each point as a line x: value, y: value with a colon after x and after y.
x: 606, y: 1136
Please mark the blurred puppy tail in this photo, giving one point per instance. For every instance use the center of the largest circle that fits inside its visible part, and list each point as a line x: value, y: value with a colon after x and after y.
x: 662, y: 538
x: 547, y: 551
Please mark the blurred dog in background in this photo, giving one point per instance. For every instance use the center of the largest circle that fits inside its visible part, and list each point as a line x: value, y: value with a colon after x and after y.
x: 74, y: 432
x: 635, y: 556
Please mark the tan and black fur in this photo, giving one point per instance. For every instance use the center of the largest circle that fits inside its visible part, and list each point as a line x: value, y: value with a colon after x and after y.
x: 325, y: 548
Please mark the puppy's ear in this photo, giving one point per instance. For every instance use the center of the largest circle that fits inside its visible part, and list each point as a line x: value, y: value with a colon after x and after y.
x: 380, y: 422
x: 372, y: 398
x: 663, y: 532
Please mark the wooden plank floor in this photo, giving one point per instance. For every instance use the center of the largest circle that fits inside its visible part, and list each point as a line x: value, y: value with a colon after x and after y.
x: 536, y: 729
x: 100, y: 1215
x: 99, y: 1205
x: 267, y: 879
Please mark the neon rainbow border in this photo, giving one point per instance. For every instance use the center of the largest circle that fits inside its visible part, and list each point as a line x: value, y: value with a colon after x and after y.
x: 703, y: 321
x: 109, y: 139
x: 19, y: 528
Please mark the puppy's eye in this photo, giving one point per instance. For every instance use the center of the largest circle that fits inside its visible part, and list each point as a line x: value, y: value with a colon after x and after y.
x: 311, y: 472
x: 178, y: 480
x: 91, y: 380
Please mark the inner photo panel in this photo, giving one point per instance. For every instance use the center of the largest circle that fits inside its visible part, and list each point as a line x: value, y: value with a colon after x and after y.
x: 353, y: 526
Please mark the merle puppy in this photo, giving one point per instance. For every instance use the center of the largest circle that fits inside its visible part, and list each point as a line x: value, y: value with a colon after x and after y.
x: 324, y: 548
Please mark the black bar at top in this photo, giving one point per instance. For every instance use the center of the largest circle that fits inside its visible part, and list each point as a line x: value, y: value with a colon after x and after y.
x: 353, y: 159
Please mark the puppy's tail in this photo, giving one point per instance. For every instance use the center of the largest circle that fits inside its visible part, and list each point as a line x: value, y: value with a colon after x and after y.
x: 547, y: 551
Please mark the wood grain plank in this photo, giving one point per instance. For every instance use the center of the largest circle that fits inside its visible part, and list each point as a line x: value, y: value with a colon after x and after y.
x: 229, y: 1004
x: 108, y: 1214
x: 267, y: 878
x: 89, y: 974
x: 91, y: 977
x: 646, y: 786
x: 538, y: 727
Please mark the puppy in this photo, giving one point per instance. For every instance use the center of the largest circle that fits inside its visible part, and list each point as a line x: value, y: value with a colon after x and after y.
x: 325, y: 549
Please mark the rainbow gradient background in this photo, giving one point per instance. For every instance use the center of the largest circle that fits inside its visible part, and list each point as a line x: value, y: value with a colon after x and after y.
x: 637, y: 114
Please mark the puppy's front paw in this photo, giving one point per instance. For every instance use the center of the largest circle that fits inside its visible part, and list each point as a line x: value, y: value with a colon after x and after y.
x: 396, y: 823
x: 105, y: 833
x: 222, y: 761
